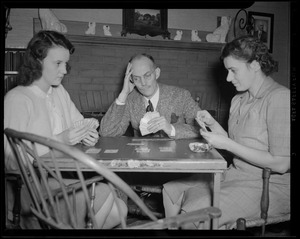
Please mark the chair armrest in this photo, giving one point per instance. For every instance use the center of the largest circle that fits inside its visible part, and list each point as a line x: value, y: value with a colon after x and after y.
x: 77, y: 185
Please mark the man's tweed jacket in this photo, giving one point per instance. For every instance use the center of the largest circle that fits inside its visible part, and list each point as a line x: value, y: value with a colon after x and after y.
x: 175, y: 104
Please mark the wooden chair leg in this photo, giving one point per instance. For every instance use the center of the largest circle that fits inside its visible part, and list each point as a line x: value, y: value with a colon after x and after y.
x: 17, y: 186
x: 89, y: 224
x: 264, y: 203
x: 241, y: 224
x: 17, y: 204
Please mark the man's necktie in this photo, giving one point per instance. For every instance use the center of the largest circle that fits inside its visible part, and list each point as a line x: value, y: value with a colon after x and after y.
x: 149, y: 107
x: 160, y: 133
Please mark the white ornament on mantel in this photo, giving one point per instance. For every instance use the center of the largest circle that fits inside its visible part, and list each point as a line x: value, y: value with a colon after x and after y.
x: 50, y: 22
x: 92, y: 28
x: 194, y: 36
x: 178, y: 36
x: 220, y: 33
x: 106, y: 30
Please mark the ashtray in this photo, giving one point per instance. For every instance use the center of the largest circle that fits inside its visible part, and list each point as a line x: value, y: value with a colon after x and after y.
x: 199, y: 147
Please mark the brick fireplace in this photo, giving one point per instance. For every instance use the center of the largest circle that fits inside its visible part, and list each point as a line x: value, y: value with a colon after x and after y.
x: 99, y: 64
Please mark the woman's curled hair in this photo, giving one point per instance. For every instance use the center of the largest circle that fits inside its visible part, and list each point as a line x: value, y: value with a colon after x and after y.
x: 249, y: 48
x: 37, y: 51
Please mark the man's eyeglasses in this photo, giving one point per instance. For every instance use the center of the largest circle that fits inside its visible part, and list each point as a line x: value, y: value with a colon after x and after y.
x: 146, y: 76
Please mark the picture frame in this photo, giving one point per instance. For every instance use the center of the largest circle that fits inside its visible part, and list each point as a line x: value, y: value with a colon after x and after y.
x: 262, y: 27
x: 152, y: 22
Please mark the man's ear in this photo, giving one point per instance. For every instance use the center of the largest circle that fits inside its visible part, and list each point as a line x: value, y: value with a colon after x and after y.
x: 255, y: 65
x: 157, y: 73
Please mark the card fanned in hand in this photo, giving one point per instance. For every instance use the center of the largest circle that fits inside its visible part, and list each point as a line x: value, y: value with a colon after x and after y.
x: 90, y: 122
x: 144, y: 122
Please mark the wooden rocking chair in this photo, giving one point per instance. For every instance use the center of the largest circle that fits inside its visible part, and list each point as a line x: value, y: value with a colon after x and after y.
x: 45, y: 200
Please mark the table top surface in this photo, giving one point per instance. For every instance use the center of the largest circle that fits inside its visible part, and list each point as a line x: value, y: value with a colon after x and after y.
x: 151, y: 154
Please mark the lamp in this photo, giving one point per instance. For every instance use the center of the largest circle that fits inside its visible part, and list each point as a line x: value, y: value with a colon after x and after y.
x: 244, y: 23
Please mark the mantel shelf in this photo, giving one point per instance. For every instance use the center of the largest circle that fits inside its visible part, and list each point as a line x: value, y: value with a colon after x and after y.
x: 78, y: 27
x: 79, y: 39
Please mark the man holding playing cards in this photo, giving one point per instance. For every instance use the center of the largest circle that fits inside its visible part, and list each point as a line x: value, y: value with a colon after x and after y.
x: 152, y: 108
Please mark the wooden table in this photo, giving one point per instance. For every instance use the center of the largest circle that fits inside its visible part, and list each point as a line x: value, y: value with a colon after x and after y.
x: 121, y: 154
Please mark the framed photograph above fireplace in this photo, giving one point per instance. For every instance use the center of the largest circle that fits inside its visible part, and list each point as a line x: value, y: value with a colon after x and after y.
x: 152, y: 22
x: 263, y: 27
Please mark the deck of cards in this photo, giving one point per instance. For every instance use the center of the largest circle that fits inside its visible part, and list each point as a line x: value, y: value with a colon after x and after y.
x: 144, y: 122
x: 92, y: 123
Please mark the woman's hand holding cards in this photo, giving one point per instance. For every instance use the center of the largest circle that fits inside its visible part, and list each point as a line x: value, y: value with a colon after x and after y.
x: 205, y: 117
x: 92, y: 137
x: 73, y: 135
x: 91, y: 134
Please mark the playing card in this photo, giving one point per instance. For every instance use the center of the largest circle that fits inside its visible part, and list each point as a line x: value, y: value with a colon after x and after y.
x: 135, y: 144
x: 111, y: 151
x: 165, y: 149
x: 144, y: 122
x: 93, y: 151
x: 202, y: 124
x: 92, y: 123
x: 150, y: 115
x: 142, y: 150
x: 143, y: 126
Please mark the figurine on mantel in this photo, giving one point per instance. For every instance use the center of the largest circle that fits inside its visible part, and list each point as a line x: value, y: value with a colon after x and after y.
x: 194, y: 36
x: 219, y: 34
x: 178, y: 35
x: 50, y: 22
x: 92, y: 28
x: 106, y: 30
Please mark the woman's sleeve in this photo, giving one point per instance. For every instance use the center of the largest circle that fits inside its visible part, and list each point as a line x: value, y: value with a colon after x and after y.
x: 278, y: 120
x: 16, y: 112
x: 16, y: 116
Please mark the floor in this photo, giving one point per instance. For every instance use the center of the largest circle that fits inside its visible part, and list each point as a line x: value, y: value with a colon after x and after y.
x: 276, y: 230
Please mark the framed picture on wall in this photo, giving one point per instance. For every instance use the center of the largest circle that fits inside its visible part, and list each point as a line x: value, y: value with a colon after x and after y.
x: 262, y: 27
x: 152, y: 22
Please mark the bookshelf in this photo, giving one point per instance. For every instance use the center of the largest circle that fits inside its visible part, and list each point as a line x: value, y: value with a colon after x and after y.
x: 13, y: 60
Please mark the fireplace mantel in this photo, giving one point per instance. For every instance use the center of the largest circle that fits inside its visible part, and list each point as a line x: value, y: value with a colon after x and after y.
x: 167, y: 44
x: 75, y: 36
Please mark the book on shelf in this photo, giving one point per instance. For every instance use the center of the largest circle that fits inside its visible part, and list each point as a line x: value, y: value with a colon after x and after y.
x: 13, y: 59
x: 10, y: 81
